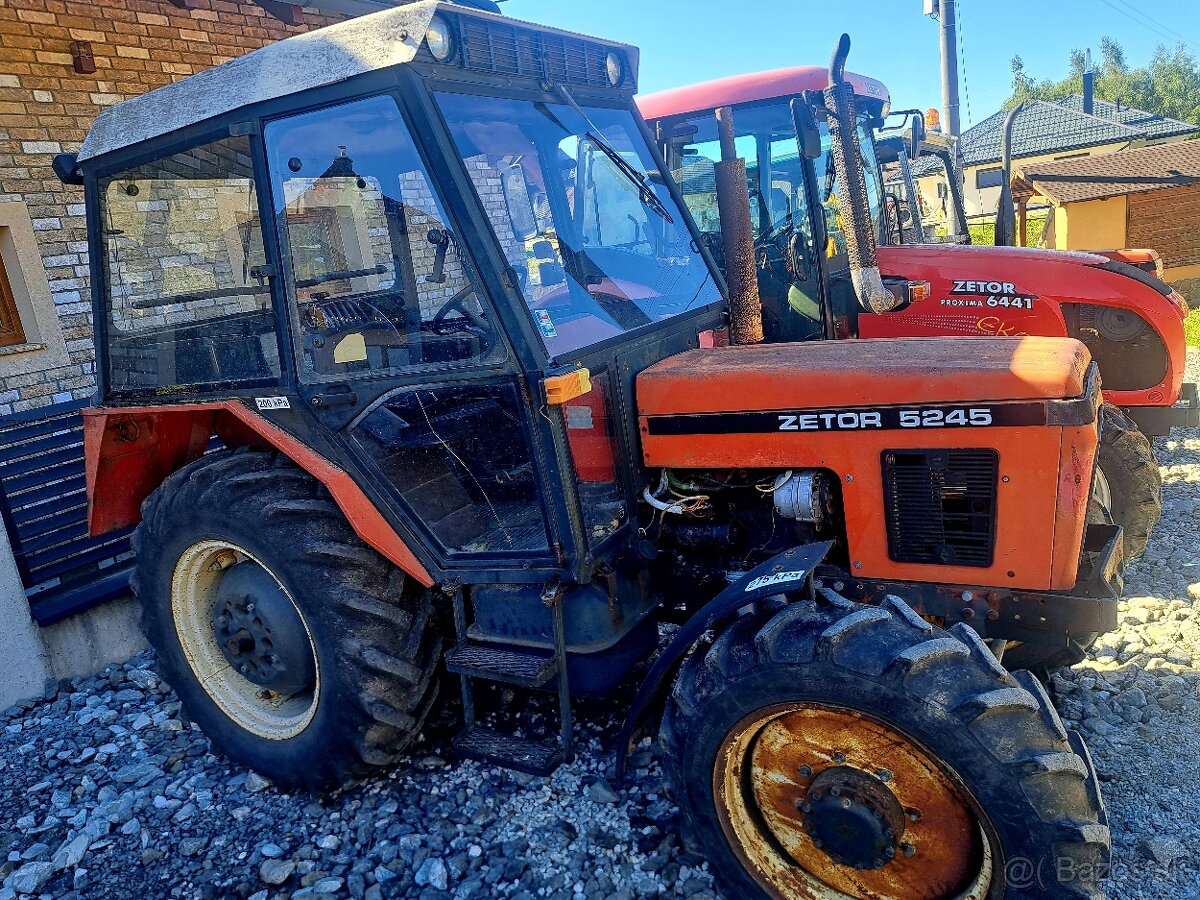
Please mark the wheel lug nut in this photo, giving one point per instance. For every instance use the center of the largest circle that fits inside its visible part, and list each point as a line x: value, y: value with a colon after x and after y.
x: 839, y: 758
x: 889, y: 852
x: 835, y: 791
x: 908, y: 849
x: 878, y: 864
x: 806, y: 772
x: 884, y: 775
x: 846, y: 804
x: 914, y: 815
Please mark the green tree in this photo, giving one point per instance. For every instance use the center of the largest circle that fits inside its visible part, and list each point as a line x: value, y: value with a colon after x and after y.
x: 1169, y: 84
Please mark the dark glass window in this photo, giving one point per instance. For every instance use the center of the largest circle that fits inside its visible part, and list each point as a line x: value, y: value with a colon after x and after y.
x: 460, y: 458
x: 187, y: 301
x: 989, y: 178
x: 598, y: 243
x: 11, y: 332
x: 379, y: 283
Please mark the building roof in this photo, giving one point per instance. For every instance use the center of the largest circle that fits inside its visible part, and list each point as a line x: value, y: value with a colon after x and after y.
x: 1044, y: 127
x: 1152, y: 125
x: 314, y: 59
x: 1152, y: 168
x: 747, y: 88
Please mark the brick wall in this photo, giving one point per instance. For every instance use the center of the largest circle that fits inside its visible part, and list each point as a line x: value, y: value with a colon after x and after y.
x: 46, y: 108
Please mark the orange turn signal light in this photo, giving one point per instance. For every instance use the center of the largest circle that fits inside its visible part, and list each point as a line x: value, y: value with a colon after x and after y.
x: 564, y: 388
x: 917, y: 291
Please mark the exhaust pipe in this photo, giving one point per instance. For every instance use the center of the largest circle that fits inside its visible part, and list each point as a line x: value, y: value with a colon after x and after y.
x: 741, y: 273
x: 1006, y: 226
x: 852, y: 199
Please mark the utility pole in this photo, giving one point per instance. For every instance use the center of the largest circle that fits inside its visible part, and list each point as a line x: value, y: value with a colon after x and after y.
x: 943, y: 10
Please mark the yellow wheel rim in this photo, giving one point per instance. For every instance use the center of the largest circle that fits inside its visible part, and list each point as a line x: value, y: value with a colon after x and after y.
x: 925, y: 838
x: 194, y: 585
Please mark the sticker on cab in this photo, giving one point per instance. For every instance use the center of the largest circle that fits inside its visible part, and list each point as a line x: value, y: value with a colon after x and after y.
x: 545, y: 323
x: 266, y: 403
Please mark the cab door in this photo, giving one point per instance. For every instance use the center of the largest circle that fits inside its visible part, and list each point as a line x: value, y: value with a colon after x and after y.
x: 399, y: 354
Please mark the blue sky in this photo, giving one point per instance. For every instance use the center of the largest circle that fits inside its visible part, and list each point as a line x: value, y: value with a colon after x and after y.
x: 685, y: 41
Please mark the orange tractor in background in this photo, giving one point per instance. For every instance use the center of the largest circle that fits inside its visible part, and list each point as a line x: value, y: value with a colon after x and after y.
x: 1130, y: 320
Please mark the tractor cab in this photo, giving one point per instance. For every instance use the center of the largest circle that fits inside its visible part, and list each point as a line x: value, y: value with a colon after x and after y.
x: 396, y: 257
x: 799, y: 226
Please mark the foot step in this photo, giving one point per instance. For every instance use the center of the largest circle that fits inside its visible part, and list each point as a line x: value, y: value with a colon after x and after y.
x: 522, y: 754
x: 524, y: 669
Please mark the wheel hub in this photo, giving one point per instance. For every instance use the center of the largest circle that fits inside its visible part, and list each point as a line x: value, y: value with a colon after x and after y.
x: 259, y: 631
x: 853, y: 817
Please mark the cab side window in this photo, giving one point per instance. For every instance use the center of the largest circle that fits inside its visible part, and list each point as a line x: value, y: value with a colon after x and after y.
x: 378, y: 282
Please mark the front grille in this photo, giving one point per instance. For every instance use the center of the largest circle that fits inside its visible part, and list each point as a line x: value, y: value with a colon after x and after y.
x: 490, y: 46
x: 941, y: 506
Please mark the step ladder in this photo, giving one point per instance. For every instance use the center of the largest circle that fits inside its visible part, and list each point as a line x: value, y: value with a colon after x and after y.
x: 528, y: 669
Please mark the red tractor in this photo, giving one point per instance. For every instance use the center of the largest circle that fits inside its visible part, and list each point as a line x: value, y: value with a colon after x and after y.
x: 1130, y: 320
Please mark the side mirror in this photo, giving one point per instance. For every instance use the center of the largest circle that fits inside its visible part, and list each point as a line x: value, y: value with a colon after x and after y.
x: 918, y: 135
x: 521, y: 214
x: 808, y: 135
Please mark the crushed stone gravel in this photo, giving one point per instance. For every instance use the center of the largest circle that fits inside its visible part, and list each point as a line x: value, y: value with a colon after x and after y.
x: 107, y: 792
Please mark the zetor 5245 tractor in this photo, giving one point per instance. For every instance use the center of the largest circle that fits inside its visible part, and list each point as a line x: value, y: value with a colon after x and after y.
x: 1130, y: 320
x: 425, y: 278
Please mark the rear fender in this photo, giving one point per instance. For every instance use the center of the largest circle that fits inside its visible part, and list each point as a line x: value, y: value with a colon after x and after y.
x: 130, y: 451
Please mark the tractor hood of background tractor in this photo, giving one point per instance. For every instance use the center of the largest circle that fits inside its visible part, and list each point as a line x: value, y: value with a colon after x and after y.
x: 846, y: 374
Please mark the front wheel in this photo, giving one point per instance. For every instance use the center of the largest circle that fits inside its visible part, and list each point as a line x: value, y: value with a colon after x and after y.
x: 833, y: 750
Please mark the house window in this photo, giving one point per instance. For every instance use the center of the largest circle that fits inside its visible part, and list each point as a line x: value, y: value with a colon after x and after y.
x: 989, y: 178
x: 11, y: 332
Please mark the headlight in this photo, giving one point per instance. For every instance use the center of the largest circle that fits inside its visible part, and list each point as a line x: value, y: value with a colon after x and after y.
x: 614, y: 65
x: 439, y: 39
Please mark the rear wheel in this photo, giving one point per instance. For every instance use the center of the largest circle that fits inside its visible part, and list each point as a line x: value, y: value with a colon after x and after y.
x: 298, y: 649
x: 1131, y: 477
x: 832, y: 750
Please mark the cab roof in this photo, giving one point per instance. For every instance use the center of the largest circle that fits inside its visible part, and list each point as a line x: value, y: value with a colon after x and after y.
x: 391, y: 37
x: 748, y: 88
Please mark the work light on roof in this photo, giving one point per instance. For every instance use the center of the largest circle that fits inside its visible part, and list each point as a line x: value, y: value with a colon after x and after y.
x: 439, y: 39
x: 614, y: 65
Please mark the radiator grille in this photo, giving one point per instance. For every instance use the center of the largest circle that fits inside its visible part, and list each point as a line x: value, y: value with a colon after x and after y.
x: 941, y: 506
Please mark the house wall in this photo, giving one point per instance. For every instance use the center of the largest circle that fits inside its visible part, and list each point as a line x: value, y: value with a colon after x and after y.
x: 1167, y: 221
x: 1093, y: 225
x: 46, y: 108
x: 983, y: 201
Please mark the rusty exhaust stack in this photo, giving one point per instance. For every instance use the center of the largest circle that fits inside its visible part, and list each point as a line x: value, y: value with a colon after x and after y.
x: 745, y: 309
x: 852, y: 198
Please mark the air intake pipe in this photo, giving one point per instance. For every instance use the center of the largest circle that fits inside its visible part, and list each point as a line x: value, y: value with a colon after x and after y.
x: 852, y: 198
x: 741, y: 273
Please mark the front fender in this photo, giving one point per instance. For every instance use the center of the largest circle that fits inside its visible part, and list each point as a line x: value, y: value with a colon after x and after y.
x: 787, y: 572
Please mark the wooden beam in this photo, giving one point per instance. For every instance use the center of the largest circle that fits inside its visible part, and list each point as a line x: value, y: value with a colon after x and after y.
x: 288, y: 13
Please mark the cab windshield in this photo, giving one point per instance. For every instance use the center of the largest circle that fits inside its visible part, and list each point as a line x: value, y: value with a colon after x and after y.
x: 599, y: 245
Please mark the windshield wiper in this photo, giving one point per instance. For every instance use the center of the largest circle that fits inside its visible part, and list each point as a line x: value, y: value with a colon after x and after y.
x: 636, y: 177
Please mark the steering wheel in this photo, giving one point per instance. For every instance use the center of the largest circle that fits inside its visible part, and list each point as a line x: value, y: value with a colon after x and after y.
x: 442, y: 324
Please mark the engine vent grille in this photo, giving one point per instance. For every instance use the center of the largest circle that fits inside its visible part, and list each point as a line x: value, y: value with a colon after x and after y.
x: 941, y: 506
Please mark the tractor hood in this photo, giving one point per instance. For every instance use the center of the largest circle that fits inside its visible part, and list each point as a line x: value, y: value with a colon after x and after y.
x: 846, y: 374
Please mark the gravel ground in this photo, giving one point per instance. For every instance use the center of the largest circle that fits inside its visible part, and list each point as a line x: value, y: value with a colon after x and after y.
x: 105, y: 792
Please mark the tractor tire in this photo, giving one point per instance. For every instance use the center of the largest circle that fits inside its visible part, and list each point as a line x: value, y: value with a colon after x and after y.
x: 1135, y: 484
x: 298, y: 649
x: 831, y: 749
